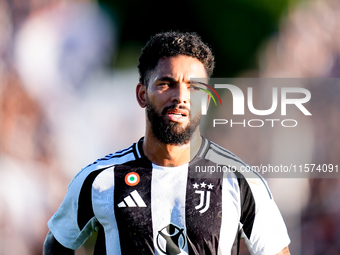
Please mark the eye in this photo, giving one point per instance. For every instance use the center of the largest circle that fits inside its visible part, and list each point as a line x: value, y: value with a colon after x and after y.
x: 166, y: 84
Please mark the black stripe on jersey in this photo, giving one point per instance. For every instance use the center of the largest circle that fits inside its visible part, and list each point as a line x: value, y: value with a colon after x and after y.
x: 134, y: 223
x: 85, y: 209
x: 203, y: 228
x: 247, y: 205
x: 100, y: 247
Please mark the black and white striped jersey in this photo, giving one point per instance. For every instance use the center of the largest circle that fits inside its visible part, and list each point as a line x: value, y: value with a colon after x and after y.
x: 141, y: 208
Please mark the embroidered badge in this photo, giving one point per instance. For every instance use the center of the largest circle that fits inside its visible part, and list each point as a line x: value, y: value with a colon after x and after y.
x: 132, y: 179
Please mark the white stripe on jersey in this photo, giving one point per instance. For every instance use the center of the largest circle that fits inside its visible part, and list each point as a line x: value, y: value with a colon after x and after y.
x: 103, y: 202
x: 230, y: 218
x: 169, y: 183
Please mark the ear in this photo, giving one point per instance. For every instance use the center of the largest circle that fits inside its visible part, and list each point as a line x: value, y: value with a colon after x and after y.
x: 141, y: 94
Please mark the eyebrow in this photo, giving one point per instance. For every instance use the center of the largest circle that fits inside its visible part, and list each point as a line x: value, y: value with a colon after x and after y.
x: 171, y: 79
x: 167, y: 78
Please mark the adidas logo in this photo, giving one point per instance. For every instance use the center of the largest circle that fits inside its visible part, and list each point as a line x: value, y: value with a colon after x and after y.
x: 132, y: 200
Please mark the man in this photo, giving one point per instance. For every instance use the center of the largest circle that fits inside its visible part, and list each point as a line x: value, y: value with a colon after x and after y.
x: 143, y: 200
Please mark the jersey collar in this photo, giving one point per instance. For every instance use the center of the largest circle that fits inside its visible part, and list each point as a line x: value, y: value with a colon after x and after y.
x: 139, y: 153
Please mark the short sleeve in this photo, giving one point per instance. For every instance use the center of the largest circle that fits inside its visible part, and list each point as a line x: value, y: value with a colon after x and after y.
x: 263, y: 229
x: 74, y: 221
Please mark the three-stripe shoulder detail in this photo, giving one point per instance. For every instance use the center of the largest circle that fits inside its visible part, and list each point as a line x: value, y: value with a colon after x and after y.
x: 224, y: 152
x: 247, y: 206
x: 118, y: 157
x: 212, y: 148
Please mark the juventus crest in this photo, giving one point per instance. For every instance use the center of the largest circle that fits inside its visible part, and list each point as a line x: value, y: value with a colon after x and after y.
x: 204, y: 194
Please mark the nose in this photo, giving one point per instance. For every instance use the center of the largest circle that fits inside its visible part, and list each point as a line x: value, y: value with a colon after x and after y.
x: 181, y: 94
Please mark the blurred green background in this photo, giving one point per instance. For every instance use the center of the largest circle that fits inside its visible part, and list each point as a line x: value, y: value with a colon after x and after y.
x: 68, y: 71
x: 235, y: 29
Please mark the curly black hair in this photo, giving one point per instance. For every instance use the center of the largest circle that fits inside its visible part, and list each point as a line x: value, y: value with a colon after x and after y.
x: 168, y: 44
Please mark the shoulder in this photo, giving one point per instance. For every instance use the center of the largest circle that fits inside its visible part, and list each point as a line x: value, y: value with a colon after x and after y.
x: 119, y: 157
x: 219, y: 155
x: 261, y: 221
x: 96, y: 175
x: 250, y: 181
x: 90, y: 172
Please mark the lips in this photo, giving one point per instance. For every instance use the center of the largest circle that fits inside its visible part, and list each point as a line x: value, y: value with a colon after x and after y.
x: 177, y: 115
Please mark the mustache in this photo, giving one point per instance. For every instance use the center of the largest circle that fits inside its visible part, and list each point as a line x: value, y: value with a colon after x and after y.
x: 173, y: 108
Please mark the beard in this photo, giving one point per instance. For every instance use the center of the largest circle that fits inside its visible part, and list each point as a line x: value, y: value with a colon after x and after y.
x: 170, y: 132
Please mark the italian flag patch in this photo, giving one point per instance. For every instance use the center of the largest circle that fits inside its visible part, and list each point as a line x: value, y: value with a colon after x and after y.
x: 132, y: 179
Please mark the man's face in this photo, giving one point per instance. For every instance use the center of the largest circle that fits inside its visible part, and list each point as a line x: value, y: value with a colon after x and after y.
x: 173, y: 103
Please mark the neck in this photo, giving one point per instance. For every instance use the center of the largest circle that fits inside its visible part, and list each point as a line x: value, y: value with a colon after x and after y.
x: 170, y: 155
